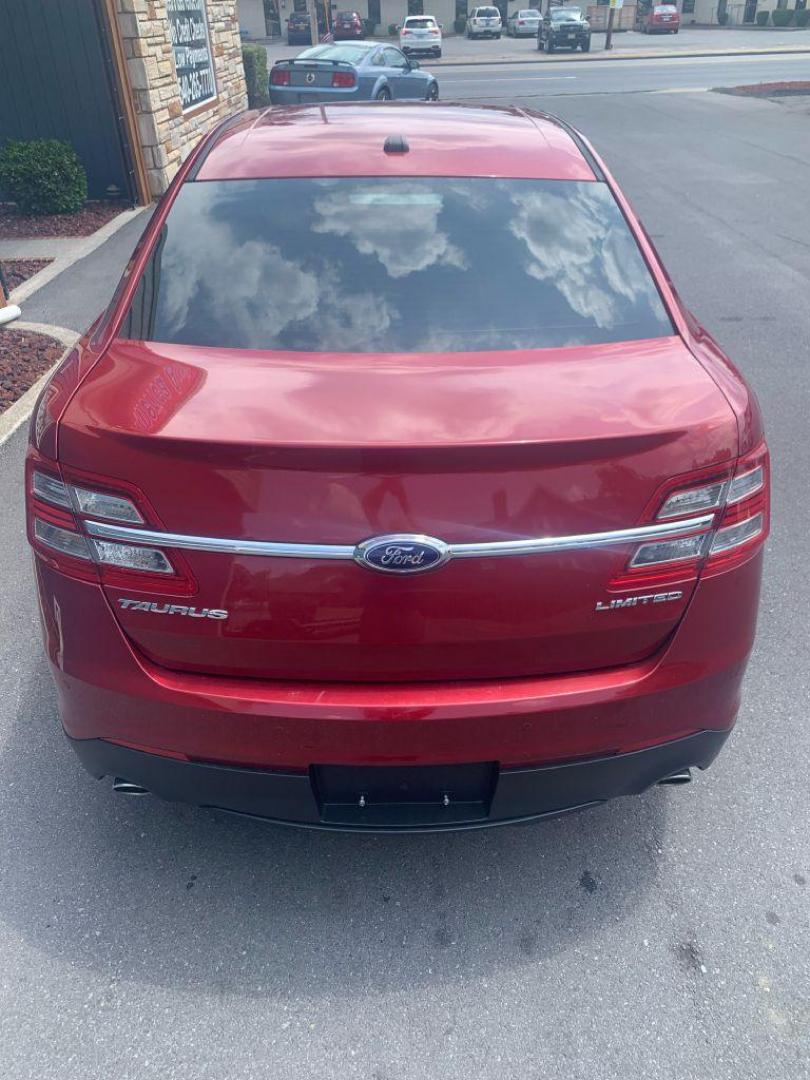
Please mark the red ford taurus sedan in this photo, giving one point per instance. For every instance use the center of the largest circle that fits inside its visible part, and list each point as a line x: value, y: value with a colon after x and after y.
x: 396, y: 488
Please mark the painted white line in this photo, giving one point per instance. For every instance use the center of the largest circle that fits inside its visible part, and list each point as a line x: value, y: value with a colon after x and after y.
x: 530, y: 78
x: 666, y: 61
x: 62, y: 262
x: 16, y: 415
x: 680, y: 90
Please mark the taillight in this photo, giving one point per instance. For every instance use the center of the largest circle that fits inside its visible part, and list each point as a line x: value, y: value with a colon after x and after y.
x: 730, y: 511
x: 60, y: 512
x: 343, y: 79
x: 744, y: 524
x: 280, y: 77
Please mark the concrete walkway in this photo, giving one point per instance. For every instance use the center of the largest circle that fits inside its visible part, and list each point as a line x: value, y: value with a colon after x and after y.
x: 63, y: 250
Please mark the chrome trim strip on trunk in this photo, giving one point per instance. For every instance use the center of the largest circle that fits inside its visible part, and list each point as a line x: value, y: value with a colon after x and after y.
x: 486, y: 549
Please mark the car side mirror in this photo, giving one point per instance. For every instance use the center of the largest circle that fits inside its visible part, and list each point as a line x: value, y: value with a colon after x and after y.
x: 414, y: 64
x: 8, y: 314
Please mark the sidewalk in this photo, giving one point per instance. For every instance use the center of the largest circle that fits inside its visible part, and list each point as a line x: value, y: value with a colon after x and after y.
x: 63, y: 300
x: 64, y: 251
x: 85, y: 286
x: 627, y: 45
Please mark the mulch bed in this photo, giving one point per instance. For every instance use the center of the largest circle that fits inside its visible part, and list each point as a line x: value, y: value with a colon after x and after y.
x: 770, y: 89
x: 24, y: 357
x: 14, y: 225
x: 16, y: 271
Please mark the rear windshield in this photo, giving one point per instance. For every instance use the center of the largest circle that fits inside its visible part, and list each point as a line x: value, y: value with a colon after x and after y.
x: 420, y: 24
x: 395, y: 265
x: 531, y: 13
x: 351, y: 53
x: 486, y: 12
x: 566, y: 15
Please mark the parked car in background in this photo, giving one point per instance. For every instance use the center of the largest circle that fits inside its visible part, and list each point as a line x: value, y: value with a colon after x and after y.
x: 299, y: 31
x: 348, y: 26
x: 564, y: 28
x: 524, y: 23
x: 657, y: 18
x: 484, y: 22
x: 350, y: 71
x: 397, y: 490
x: 421, y: 35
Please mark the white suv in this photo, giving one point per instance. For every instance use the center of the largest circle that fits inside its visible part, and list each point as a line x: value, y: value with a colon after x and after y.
x: 484, y: 22
x: 421, y: 34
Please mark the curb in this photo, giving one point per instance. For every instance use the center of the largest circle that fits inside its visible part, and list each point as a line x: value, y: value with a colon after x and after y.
x: 12, y: 418
x: 83, y: 247
x: 589, y: 58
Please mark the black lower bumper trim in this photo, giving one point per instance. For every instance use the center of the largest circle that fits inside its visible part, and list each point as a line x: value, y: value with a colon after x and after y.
x: 507, y: 795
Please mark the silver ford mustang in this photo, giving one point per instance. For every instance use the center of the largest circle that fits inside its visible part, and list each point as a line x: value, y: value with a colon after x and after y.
x: 350, y: 71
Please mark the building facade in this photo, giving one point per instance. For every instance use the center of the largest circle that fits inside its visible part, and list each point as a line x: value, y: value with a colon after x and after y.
x: 132, y: 85
x: 184, y: 70
x: 268, y: 18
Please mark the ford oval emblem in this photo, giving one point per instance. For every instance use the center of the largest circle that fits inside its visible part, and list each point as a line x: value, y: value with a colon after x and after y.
x: 402, y: 554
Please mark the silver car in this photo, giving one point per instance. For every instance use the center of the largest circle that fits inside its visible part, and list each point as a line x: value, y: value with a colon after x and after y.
x: 523, y: 23
x: 350, y: 71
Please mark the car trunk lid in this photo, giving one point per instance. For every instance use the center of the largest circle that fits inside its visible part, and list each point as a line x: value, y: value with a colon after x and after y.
x: 334, y: 449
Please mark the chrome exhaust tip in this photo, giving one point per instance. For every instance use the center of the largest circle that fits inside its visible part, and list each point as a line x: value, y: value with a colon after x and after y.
x: 126, y: 787
x: 682, y: 777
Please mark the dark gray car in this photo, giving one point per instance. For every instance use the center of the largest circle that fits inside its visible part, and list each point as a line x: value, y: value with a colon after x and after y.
x: 564, y: 28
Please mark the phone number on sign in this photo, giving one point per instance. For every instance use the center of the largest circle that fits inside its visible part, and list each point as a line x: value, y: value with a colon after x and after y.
x: 196, y: 86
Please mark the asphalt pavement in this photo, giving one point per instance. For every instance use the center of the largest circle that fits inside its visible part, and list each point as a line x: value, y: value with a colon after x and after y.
x: 663, y: 938
x: 505, y: 83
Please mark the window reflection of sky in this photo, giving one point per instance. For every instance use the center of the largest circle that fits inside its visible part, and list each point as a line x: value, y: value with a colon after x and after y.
x: 399, y: 265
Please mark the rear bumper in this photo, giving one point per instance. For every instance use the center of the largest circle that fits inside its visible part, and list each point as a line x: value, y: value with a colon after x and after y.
x: 301, y: 95
x: 108, y: 691
x: 512, y: 796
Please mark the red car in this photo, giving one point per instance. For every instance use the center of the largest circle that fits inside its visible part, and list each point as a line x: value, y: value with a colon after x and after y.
x: 348, y: 26
x: 396, y: 488
x: 658, y: 19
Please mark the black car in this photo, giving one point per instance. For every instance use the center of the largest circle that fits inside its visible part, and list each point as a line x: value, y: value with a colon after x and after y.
x: 564, y: 28
x: 298, y: 29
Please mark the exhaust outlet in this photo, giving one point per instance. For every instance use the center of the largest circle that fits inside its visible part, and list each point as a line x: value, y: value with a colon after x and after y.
x: 682, y: 777
x: 126, y: 787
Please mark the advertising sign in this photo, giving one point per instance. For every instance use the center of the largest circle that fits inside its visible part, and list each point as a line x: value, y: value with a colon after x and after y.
x: 191, y: 45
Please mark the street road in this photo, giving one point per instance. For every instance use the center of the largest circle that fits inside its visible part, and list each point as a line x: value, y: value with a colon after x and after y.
x: 664, y: 938
x: 507, y: 82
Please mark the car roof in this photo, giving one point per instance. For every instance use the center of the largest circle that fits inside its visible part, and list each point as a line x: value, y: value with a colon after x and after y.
x: 443, y: 140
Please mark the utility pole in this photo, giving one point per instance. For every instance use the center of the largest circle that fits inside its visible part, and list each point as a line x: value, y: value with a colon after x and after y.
x: 609, y: 35
x: 615, y: 5
x: 312, y: 11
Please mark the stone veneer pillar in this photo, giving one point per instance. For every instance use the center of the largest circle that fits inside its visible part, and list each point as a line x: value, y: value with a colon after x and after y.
x: 166, y: 131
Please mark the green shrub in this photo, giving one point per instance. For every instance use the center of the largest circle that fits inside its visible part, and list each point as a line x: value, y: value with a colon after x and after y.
x: 254, y: 58
x: 802, y: 16
x: 460, y: 25
x: 43, y: 176
x: 762, y: 18
x: 781, y: 17
x: 393, y: 29
x: 369, y: 26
